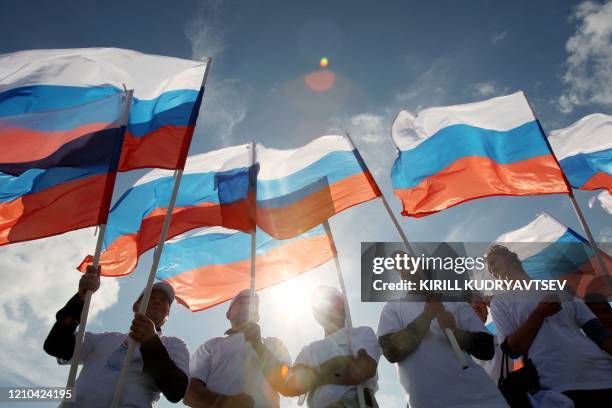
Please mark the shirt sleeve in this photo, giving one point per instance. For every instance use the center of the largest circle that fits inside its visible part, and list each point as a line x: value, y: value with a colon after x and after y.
x: 365, y: 338
x: 89, y: 344
x: 468, y: 320
x: 278, y: 349
x: 389, y: 320
x: 304, y: 357
x: 582, y: 312
x: 178, y: 352
x: 200, y: 363
x: 503, y: 322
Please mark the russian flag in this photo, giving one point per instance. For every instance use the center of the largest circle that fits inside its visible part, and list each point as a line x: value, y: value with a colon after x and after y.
x: 214, y: 191
x: 550, y: 250
x: 298, y: 189
x: 584, y: 151
x: 210, y: 266
x: 57, y: 168
x: 449, y: 155
x: 167, y: 95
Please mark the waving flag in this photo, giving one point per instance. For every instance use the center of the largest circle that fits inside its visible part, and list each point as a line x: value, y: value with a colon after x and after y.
x: 57, y: 168
x: 449, y: 155
x: 584, y: 151
x: 167, y: 95
x: 208, y: 267
x: 550, y: 250
x: 214, y: 191
x: 300, y: 188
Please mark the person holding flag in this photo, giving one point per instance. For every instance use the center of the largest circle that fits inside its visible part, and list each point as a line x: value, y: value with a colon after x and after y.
x: 159, y: 366
x: 330, y: 369
x: 241, y: 369
x: 569, y: 347
x: 425, y: 360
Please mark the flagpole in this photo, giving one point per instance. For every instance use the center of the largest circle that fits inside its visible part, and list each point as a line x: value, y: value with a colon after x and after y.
x: 579, y: 214
x: 451, y: 336
x: 396, y: 223
x: 253, y: 182
x: 104, y: 209
x: 144, y: 302
x: 349, y: 320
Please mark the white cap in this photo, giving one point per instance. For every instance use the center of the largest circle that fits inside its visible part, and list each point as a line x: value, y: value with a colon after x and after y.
x: 164, y: 287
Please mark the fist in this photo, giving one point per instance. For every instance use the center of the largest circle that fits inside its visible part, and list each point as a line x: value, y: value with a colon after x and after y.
x: 142, y: 329
x: 89, y: 281
x: 446, y: 320
x: 252, y: 333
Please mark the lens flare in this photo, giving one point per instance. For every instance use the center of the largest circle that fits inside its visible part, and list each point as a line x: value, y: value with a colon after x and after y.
x: 324, y: 62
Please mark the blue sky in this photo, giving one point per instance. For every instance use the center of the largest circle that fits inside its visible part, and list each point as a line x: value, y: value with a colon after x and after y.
x: 385, y: 56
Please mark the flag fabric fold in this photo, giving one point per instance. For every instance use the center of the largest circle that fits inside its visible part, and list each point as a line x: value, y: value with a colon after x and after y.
x: 298, y: 189
x: 550, y: 250
x: 584, y: 151
x: 452, y: 154
x: 209, y: 266
x: 57, y: 168
x: 215, y: 191
x: 166, y: 100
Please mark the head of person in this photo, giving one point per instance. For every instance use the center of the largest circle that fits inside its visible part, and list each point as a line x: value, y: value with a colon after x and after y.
x: 406, y: 273
x: 328, y: 308
x: 158, y: 309
x: 478, y: 304
x: 504, y: 264
x: 243, y: 308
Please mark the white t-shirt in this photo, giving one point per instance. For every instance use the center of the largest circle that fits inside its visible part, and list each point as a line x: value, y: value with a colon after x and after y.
x: 431, y: 375
x: 336, y: 345
x: 229, y: 366
x: 102, y: 357
x: 493, y: 366
x: 564, y: 357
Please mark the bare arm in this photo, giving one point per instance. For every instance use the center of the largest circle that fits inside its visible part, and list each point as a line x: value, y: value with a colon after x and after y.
x: 399, y: 345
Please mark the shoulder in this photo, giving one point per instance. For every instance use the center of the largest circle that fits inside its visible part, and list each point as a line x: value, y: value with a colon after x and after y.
x: 363, y: 331
x: 274, y: 343
x: 173, y: 342
x: 211, y: 344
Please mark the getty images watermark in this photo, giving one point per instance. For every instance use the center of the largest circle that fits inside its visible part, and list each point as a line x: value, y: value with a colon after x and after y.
x: 454, y: 271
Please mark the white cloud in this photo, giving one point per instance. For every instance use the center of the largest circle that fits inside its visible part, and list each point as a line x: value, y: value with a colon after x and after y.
x: 488, y: 89
x: 38, y: 278
x: 499, y: 37
x: 588, y: 74
x: 604, y: 199
x: 205, y: 33
x: 225, y: 102
x: 373, y: 127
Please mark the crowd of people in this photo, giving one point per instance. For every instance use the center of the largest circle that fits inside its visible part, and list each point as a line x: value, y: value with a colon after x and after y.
x: 546, y: 351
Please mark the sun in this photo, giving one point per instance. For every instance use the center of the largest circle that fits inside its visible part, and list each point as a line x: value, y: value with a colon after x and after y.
x: 291, y: 300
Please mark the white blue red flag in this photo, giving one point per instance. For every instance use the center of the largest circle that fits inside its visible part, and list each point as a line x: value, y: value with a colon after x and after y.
x: 57, y: 168
x: 210, y: 266
x: 584, y: 151
x: 167, y: 95
x: 452, y: 154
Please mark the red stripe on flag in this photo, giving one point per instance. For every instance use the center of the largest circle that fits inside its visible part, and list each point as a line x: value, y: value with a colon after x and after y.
x: 476, y: 177
x: 121, y: 256
x: 161, y: 148
x: 301, y: 216
x: 599, y: 181
x: 61, y: 208
x: 206, y: 287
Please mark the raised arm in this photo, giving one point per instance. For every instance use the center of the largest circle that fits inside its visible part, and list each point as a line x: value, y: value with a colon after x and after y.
x: 61, y: 340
